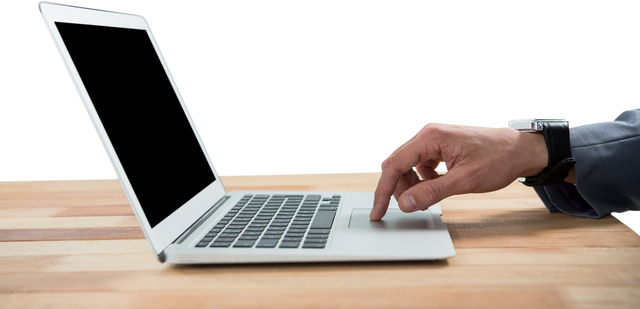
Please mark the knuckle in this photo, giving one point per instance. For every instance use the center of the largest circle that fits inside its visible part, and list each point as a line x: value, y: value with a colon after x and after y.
x: 386, y: 164
x: 433, y: 128
x: 432, y: 193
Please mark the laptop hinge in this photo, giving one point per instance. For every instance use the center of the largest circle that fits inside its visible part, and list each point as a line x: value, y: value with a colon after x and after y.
x: 202, y: 219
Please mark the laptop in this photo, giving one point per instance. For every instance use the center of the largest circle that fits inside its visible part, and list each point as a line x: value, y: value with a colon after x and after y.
x: 175, y: 192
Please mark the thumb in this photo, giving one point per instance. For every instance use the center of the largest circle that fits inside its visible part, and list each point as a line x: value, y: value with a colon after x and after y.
x: 426, y: 193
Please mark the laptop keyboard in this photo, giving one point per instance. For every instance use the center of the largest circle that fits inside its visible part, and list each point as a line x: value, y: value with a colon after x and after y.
x: 277, y: 221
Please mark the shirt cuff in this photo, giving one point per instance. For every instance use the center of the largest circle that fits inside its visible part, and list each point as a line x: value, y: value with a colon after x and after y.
x: 574, y: 198
x: 565, y: 197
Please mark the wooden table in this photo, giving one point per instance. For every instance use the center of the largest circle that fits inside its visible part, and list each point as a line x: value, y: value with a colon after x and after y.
x: 76, y: 244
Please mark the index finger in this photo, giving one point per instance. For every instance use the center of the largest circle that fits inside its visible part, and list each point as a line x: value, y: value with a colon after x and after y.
x: 384, y: 191
x: 418, y: 149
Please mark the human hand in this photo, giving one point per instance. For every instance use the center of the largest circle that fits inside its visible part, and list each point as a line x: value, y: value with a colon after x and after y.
x: 478, y: 160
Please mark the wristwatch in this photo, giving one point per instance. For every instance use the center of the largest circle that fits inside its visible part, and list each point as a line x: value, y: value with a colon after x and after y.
x: 556, y: 135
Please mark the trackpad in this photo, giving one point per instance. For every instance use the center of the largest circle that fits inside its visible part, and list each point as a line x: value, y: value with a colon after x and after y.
x: 394, y: 219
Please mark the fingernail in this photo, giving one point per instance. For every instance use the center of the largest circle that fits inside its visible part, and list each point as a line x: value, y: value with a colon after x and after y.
x: 408, y: 203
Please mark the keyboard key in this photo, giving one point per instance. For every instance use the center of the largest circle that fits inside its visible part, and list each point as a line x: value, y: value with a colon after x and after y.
x: 328, y: 209
x: 291, y: 239
x: 276, y: 228
x: 237, y: 226
x: 297, y: 230
x: 244, y: 243
x: 299, y: 226
x: 273, y: 232
x: 247, y: 237
x: 237, y: 223
x: 323, y: 220
x: 226, y: 238
x: 259, y: 222
x: 289, y: 244
x: 314, y: 240
x: 271, y: 236
x: 251, y: 233
x: 202, y: 244
x: 319, y: 236
x: 313, y: 245
x: 294, y: 234
x: 220, y: 244
x: 232, y: 231
x: 319, y: 231
x: 229, y: 235
x: 267, y: 243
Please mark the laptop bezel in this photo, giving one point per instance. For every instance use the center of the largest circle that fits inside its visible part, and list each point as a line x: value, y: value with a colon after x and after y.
x: 169, y: 229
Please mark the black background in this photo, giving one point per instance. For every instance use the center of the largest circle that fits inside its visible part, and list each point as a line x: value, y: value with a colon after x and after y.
x: 301, y: 88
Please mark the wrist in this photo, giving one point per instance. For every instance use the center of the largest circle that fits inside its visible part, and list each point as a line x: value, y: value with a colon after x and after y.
x: 535, y: 153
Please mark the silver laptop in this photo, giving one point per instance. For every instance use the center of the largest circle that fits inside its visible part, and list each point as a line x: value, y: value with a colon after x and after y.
x: 174, y: 190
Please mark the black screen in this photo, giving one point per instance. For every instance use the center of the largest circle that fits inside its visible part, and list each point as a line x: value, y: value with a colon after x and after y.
x: 141, y: 114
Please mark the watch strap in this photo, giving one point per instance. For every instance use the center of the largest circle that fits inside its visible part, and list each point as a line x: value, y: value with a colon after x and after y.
x: 556, y: 135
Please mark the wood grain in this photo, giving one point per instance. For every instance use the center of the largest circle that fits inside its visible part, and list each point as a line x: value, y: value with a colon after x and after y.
x: 76, y: 244
x: 97, y: 233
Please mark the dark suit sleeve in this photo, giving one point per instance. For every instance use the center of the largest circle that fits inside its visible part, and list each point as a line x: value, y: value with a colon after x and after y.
x: 607, y: 168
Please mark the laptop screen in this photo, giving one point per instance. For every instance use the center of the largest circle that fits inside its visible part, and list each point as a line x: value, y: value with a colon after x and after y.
x: 141, y: 114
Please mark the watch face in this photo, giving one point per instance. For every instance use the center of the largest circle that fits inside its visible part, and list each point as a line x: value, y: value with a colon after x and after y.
x: 530, y: 125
